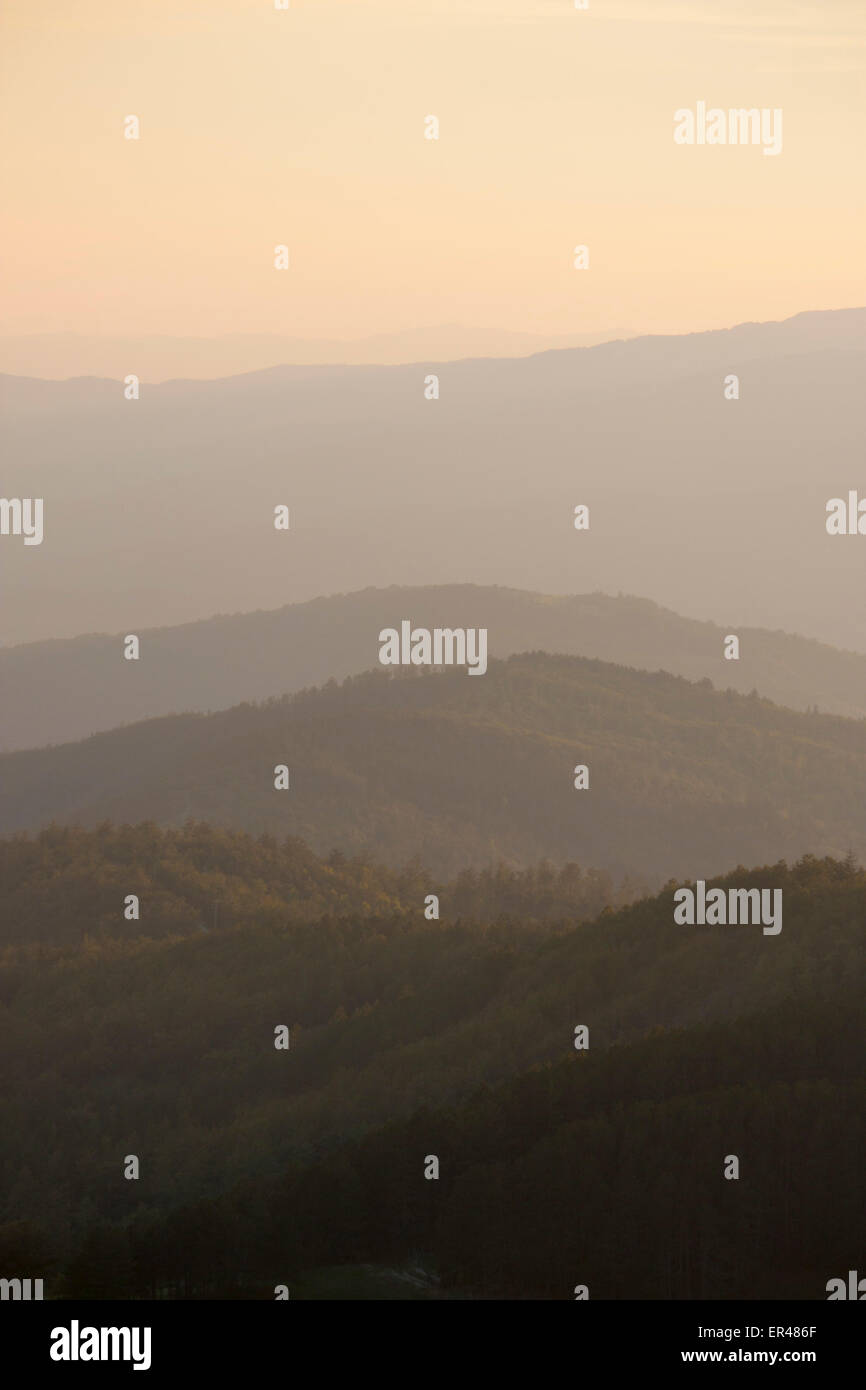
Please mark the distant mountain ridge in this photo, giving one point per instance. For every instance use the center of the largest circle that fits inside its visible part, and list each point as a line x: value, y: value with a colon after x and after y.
x: 167, y: 357
x: 160, y: 510
x: 806, y: 332
x: 52, y: 692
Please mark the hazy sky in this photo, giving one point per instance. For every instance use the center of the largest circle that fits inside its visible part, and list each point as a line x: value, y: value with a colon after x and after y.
x: 307, y: 127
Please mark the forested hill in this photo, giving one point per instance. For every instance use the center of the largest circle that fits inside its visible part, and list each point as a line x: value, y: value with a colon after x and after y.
x: 68, y: 885
x: 52, y: 692
x: 411, y: 1038
x: 456, y: 770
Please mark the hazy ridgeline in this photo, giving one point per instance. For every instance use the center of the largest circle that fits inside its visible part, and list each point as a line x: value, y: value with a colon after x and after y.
x: 713, y: 507
x: 685, y: 780
x: 52, y: 692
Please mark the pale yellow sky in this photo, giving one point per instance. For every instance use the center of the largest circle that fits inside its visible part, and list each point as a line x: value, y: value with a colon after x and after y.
x: 307, y: 127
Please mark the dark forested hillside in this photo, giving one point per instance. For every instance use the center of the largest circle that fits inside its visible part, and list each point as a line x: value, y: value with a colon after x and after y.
x: 456, y: 770
x: 603, y: 1166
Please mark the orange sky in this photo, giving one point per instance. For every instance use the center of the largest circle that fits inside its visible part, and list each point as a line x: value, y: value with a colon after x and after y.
x: 306, y: 127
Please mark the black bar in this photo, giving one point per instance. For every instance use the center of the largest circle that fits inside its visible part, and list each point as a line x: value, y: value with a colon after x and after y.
x: 604, y: 1337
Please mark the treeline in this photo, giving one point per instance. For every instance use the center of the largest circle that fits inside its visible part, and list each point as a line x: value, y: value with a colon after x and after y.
x: 410, y: 1038
x: 67, y: 884
x: 457, y: 772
